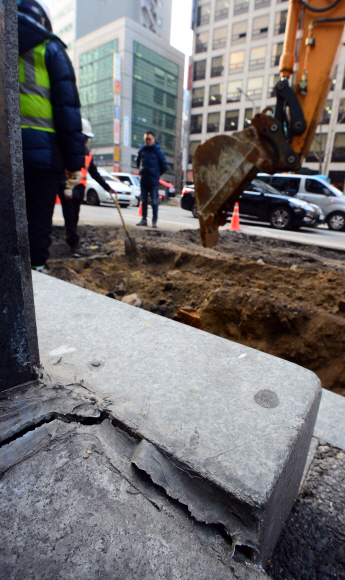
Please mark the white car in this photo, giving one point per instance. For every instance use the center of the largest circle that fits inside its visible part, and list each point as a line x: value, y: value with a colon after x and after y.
x: 95, y: 194
x: 132, y: 181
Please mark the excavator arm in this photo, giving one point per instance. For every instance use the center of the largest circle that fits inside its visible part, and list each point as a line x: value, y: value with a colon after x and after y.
x: 225, y: 165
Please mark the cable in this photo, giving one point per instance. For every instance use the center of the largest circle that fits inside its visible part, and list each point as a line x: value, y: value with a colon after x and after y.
x: 306, y: 5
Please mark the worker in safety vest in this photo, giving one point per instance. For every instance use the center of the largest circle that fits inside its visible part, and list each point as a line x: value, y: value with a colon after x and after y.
x: 71, y: 200
x: 50, y: 119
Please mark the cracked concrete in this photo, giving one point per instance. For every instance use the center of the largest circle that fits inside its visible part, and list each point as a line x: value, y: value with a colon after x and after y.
x: 238, y: 418
x: 73, y: 504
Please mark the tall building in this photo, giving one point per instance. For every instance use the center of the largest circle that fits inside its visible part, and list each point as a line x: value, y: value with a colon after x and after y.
x: 75, y: 18
x: 129, y: 77
x: 130, y: 80
x: 237, y: 47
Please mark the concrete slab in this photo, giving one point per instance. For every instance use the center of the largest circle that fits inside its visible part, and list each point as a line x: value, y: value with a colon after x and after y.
x: 330, y: 424
x: 235, y: 419
x: 73, y: 507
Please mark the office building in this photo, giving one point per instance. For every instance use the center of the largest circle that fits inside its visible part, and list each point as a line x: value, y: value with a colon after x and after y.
x: 130, y: 80
x: 237, y: 47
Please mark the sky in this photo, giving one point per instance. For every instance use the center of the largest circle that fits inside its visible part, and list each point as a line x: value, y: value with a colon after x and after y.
x: 181, y: 33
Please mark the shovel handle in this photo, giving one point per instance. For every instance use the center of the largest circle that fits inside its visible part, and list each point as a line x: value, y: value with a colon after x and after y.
x: 121, y: 216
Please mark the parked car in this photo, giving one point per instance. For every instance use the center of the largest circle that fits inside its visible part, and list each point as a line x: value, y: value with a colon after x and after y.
x: 133, y: 182
x: 95, y: 194
x: 261, y: 202
x: 313, y: 189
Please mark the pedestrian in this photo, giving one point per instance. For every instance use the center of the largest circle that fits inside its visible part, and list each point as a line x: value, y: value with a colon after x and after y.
x: 71, y: 200
x: 52, y: 137
x: 153, y: 165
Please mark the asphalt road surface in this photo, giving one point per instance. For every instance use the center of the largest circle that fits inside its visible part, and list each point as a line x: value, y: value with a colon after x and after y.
x: 172, y: 217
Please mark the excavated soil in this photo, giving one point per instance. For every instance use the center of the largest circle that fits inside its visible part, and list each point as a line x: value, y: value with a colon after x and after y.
x: 279, y: 297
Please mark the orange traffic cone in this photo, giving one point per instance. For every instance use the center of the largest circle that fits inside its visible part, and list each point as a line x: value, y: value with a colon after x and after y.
x: 235, y: 220
x: 57, y: 200
x: 140, y: 211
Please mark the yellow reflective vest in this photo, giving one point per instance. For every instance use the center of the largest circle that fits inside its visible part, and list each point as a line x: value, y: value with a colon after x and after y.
x: 35, y: 101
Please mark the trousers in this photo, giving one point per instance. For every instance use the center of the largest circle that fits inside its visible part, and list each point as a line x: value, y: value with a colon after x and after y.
x: 70, y: 210
x: 41, y: 189
x: 147, y: 189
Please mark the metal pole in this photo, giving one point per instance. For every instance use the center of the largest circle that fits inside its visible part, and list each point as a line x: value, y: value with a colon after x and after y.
x: 18, y: 335
x: 249, y: 99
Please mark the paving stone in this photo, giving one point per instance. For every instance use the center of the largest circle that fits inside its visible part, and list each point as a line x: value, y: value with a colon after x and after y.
x: 237, y: 420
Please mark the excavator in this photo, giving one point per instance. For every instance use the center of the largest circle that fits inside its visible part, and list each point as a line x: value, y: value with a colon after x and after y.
x: 277, y: 140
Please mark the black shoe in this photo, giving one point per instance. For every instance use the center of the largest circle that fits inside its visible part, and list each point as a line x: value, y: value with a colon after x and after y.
x: 154, y: 224
x: 142, y: 223
x: 74, y: 247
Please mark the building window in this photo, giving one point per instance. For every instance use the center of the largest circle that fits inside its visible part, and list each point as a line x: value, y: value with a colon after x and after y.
x: 254, y: 87
x: 277, y: 51
x: 341, y: 113
x: 154, y: 105
x: 241, y: 6
x: 217, y: 66
x: 239, y: 32
x: 248, y: 115
x: 280, y: 22
x: 198, y: 97
x: 221, y: 10
x: 260, y: 26
x: 199, y: 70
x: 317, y: 149
x: 96, y: 91
x: 171, y: 102
x: 192, y: 147
x: 337, y: 179
x: 158, y: 96
x: 338, y: 153
x: 257, y: 57
x: 261, y: 3
x: 169, y: 122
x: 233, y: 94
x: 219, y: 37
x: 203, y: 14
x: 272, y: 81
x: 201, y: 42
x: 231, y: 120
x: 196, y: 124
x: 216, y: 92
x: 236, y: 63
x: 326, y: 115
x: 213, y: 120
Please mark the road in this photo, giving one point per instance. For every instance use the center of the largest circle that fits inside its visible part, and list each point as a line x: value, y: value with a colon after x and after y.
x: 174, y: 218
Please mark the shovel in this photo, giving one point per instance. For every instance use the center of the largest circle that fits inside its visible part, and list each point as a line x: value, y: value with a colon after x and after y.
x: 130, y: 243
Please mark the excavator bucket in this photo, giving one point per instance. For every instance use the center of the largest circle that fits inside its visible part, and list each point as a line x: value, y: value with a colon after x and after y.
x: 223, y: 167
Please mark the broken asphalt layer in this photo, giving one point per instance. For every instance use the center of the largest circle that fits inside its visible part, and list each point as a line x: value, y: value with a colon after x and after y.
x: 232, y: 424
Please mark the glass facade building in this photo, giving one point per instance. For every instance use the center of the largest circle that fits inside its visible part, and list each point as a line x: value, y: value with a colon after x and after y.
x: 96, y: 91
x: 155, y: 93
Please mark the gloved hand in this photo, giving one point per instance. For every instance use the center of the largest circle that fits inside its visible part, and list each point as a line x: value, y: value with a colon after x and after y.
x: 72, y: 179
x: 68, y: 193
x: 112, y: 191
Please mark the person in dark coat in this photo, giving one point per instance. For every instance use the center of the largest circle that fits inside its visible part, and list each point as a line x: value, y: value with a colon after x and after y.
x: 153, y: 165
x: 71, y: 200
x: 50, y: 119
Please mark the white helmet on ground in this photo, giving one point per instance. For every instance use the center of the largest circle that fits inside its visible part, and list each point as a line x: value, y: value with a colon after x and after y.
x: 37, y: 9
x: 86, y: 128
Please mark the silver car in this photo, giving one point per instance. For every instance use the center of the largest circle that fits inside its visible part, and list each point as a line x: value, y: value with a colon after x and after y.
x: 95, y: 194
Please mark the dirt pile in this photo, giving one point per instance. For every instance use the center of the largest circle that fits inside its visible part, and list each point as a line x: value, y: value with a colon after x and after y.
x: 284, y: 299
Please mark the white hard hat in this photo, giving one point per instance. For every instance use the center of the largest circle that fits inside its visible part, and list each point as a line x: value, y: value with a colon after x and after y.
x: 37, y: 9
x: 86, y: 128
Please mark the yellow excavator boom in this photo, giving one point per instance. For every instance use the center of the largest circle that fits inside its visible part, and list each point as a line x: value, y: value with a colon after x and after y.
x: 225, y: 165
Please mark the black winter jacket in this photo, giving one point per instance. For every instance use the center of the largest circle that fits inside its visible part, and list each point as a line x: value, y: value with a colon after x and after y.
x: 154, y: 163
x: 65, y: 148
